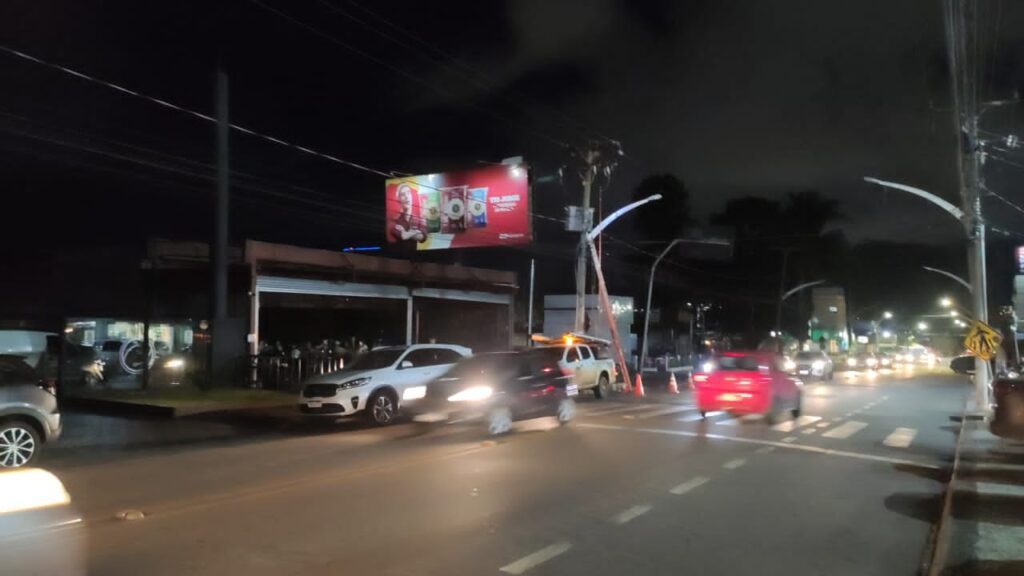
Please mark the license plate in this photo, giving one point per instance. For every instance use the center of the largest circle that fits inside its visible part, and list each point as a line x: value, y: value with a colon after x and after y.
x: 314, y: 404
x: 431, y: 417
x: 572, y: 390
x: 805, y: 372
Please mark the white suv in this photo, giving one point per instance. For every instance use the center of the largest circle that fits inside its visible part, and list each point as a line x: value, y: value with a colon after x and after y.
x: 379, y: 381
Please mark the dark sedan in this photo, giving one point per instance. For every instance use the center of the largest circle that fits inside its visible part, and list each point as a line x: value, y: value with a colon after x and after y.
x: 497, y: 389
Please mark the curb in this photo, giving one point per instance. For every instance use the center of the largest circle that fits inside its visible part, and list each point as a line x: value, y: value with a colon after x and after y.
x: 935, y: 562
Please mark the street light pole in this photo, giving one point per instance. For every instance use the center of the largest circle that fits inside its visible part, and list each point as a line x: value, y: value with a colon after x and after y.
x: 951, y: 276
x: 647, y: 308
x: 603, y: 288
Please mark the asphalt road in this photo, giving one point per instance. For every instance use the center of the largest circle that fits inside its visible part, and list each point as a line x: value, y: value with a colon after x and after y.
x: 850, y: 488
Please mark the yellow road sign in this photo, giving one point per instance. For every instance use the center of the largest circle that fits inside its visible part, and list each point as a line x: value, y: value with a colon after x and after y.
x: 982, y: 340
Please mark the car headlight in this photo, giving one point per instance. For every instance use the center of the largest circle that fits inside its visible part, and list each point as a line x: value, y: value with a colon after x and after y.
x: 414, y: 393
x: 707, y: 367
x: 175, y: 363
x: 851, y: 361
x: 871, y: 361
x: 354, y: 383
x: 472, y: 394
x: 789, y: 365
x: 886, y: 361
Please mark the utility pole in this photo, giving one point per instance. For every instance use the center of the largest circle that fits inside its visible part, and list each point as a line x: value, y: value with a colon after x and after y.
x: 596, y: 159
x: 219, y: 246
x: 962, y: 48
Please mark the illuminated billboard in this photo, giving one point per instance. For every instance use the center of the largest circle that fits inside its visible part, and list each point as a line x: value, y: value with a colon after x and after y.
x: 481, y: 207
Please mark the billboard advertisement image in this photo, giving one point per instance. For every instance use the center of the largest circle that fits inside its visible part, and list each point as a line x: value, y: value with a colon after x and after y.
x: 487, y: 206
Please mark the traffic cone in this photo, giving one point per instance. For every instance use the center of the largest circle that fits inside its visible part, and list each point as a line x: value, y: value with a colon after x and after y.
x: 638, y: 388
x: 673, y: 388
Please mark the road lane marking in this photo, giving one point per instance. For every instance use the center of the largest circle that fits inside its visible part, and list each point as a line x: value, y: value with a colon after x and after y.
x: 664, y: 411
x: 618, y: 410
x: 536, y: 559
x: 689, y: 485
x: 734, y: 464
x: 789, y: 439
x: 696, y: 417
x: 631, y: 514
x: 782, y: 444
x: 900, y: 438
x: 790, y: 425
x: 822, y: 424
x: 765, y: 449
x: 809, y: 430
x: 846, y: 430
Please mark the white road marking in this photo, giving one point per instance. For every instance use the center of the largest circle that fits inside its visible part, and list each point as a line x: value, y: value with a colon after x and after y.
x: 664, y: 411
x: 809, y: 430
x: 789, y: 439
x: 696, y: 416
x: 734, y: 464
x: 631, y: 514
x: 765, y: 449
x: 536, y: 559
x: 822, y: 424
x: 846, y: 430
x: 900, y: 438
x: 618, y: 410
x: 782, y: 444
x: 689, y: 485
x: 790, y: 425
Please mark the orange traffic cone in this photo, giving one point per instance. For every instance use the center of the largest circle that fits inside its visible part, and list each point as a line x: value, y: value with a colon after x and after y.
x: 673, y: 388
x: 638, y: 388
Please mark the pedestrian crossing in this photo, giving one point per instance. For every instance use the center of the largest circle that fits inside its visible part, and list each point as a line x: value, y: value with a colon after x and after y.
x: 796, y: 429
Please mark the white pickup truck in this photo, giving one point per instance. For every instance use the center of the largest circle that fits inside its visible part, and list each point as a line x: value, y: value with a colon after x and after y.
x: 589, y: 369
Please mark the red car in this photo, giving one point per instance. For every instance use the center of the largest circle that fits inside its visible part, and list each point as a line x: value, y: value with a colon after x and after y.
x: 747, y: 383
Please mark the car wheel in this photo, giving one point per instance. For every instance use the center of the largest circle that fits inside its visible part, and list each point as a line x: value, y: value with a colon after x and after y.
x: 774, y: 415
x: 831, y: 373
x: 499, y: 421
x: 19, y: 444
x: 382, y: 408
x: 601, y: 390
x: 799, y: 404
x: 566, y: 410
x: 704, y: 414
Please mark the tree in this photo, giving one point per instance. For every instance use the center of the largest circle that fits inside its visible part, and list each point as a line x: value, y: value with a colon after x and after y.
x: 808, y: 212
x: 664, y: 219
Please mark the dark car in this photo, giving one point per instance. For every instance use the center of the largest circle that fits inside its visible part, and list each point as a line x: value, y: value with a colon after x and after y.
x: 1008, y: 415
x: 814, y: 364
x: 963, y: 364
x: 498, y: 388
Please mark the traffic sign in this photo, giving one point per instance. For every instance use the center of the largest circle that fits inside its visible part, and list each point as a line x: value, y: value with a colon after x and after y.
x: 982, y: 340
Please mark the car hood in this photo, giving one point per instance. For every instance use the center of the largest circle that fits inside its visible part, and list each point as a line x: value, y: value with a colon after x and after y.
x: 341, y: 376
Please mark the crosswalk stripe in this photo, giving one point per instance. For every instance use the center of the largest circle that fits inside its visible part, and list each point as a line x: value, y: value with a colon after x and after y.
x: 900, y: 438
x: 619, y: 410
x: 735, y: 420
x: 664, y: 411
x: 845, y: 430
x: 790, y: 425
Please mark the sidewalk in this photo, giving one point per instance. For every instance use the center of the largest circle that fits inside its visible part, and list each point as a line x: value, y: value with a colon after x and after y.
x: 984, y: 524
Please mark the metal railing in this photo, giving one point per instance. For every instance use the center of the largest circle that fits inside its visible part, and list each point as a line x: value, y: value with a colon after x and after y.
x: 286, y: 373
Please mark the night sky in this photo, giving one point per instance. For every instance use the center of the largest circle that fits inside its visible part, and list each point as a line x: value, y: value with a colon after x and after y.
x: 735, y: 98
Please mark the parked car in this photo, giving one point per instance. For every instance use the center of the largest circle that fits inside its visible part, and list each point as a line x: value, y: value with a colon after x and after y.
x: 41, y: 532
x: 28, y: 412
x: 962, y: 364
x: 591, y: 370
x: 747, y: 383
x: 814, y: 364
x: 1008, y: 412
x: 377, y: 382
x: 498, y: 388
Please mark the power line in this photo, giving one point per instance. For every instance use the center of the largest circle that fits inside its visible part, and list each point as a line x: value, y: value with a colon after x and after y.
x: 413, y: 77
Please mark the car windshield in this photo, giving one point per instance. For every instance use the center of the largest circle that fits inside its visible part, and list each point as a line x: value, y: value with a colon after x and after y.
x: 737, y: 363
x: 381, y: 358
x: 808, y: 356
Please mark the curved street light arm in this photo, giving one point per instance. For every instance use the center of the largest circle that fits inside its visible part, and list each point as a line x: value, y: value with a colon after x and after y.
x: 948, y: 207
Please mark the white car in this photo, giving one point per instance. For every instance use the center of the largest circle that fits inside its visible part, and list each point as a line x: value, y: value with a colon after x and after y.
x: 378, y: 382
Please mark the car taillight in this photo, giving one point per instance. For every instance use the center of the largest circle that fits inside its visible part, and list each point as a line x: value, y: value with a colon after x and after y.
x: 49, y: 384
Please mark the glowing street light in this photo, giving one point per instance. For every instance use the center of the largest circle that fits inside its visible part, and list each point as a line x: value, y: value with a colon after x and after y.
x: 886, y: 334
x: 922, y: 325
x: 887, y: 315
x: 946, y: 302
x: 954, y: 313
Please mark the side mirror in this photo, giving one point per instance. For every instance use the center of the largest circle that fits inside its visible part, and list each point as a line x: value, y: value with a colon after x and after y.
x: 405, y: 364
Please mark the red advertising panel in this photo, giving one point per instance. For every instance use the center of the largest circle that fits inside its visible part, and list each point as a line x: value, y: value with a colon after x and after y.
x: 481, y: 207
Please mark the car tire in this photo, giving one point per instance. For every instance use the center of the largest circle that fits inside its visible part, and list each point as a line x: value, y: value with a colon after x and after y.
x: 831, y: 373
x: 499, y: 421
x: 566, y: 411
x: 703, y: 414
x: 774, y: 415
x: 382, y: 408
x: 799, y: 405
x: 19, y: 444
x: 601, y: 390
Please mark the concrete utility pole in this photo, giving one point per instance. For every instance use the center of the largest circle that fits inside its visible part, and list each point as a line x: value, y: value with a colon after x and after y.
x: 596, y: 159
x: 219, y: 245
x: 962, y: 49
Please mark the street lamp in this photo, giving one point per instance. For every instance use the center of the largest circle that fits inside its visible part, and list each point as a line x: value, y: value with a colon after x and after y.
x: 922, y: 326
x: 954, y: 313
x: 946, y: 302
x: 887, y: 315
x: 886, y: 334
